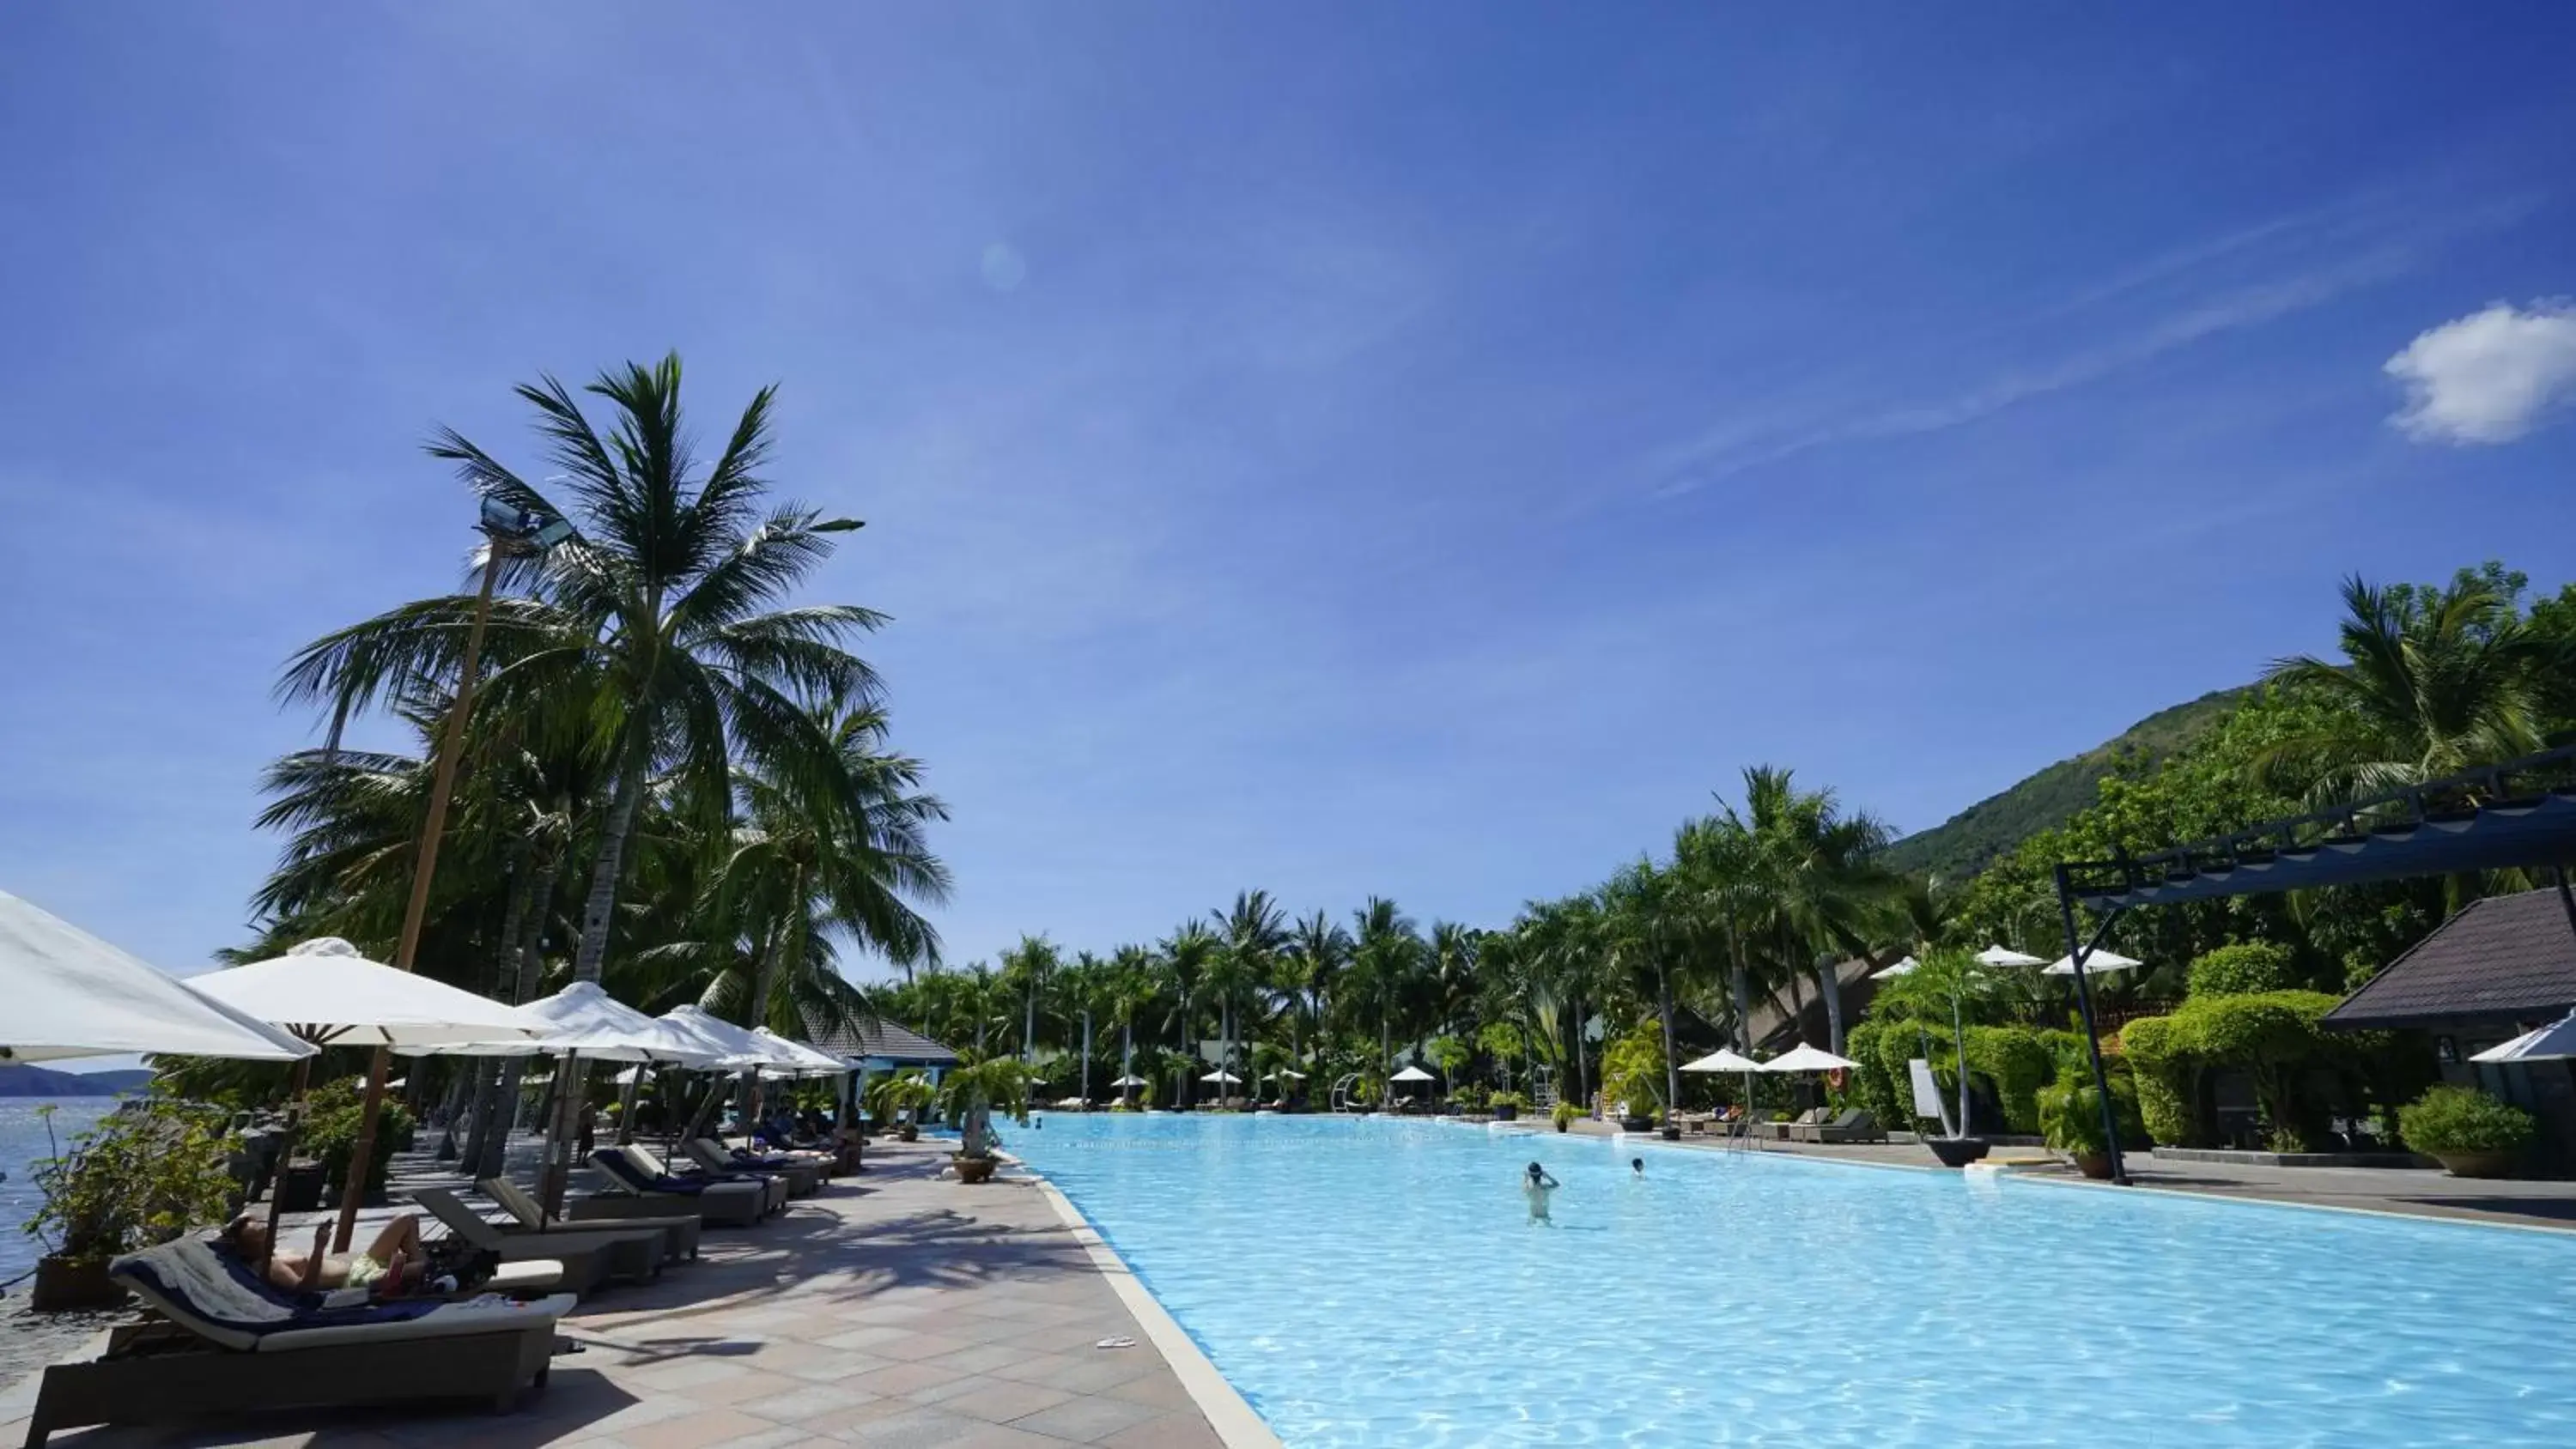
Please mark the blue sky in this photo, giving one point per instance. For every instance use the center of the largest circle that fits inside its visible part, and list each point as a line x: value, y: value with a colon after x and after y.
x: 1421, y: 450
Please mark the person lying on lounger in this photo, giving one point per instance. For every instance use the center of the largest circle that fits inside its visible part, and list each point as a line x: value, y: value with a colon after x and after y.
x: 394, y: 1254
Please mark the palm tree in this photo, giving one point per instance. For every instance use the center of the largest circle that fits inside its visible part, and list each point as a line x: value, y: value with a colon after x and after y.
x: 1384, y: 959
x: 1649, y: 926
x: 1822, y: 893
x: 1026, y: 968
x: 1132, y: 992
x: 664, y: 599
x: 1320, y: 953
x: 1253, y: 930
x: 2434, y: 682
x: 1186, y: 956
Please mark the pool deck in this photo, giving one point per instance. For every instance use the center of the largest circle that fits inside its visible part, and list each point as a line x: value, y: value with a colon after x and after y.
x: 2405, y: 1191
x: 893, y: 1310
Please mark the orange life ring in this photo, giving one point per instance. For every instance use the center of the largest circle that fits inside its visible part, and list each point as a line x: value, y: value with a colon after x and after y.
x: 1835, y: 1078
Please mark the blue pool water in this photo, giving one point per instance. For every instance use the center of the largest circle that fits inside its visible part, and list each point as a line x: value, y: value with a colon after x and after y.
x: 1374, y: 1283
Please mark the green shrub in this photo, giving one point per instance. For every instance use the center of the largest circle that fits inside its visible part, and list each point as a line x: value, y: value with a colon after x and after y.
x: 332, y: 1113
x: 2167, y: 1083
x: 1632, y: 1070
x: 1517, y: 1101
x: 1873, y: 1086
x: 2016, y: 1065
x: 2246, y: 968
x: 2463, y: 1119
x: 1564, y: 1113
x: 1470, y: 1098
x: 145, y: 1174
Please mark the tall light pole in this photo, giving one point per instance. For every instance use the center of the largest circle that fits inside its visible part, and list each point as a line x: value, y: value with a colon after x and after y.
x: 506, y: 531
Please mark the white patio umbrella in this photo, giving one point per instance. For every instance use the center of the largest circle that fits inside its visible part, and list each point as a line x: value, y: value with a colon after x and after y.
x: 1724, y: 1059
x: 1906, y: 967
x: 584, y: 1018
x: 1804, y: 1058
x: 799, y: 1060
x: 1222, y: 1076
x: 2102, y: 959
x: 323, y: 991
x: 1411, y: 1074
x: 2005, y: 956
x: 2553, y: 1042
x: 1130, y: 1080
x: 731, y: 1047
x: 71, y: 994
x: 328, y: 994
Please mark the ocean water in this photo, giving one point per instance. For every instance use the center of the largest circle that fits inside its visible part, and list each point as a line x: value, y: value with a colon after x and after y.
x: 1375, y: 1282
x: 22, y: 1143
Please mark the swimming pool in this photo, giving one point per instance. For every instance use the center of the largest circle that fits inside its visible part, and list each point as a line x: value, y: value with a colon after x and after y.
x: 1372, y: 1282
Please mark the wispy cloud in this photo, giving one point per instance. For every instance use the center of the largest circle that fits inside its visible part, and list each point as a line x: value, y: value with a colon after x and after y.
x: 2200, y: 307
x: 2488, y: 377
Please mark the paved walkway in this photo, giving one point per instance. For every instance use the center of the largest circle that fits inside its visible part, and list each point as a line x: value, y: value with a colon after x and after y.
x: 893, y: 1310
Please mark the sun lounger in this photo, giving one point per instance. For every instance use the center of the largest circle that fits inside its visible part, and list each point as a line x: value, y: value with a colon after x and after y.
x: 1788, y: 1131
x: 1854, y: 1125
x: 773, y: 1186
x: 636, y: 1193
x: 679, y: 1230
x: 588, y: 1255
x: 249, y: 1345
x: 803, y: 1179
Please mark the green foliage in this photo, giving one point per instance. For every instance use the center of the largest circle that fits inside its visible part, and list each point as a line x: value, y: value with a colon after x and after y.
x: 2070, y: 1114
x: 2274, y: 1036
x: 144, y: 1174
x: 973, y: 1091
x: 1632, y: 1070
x: 889, y: 1097
x: 1471, y: 1098
x: 2242, y: 968
x: 1564, y: 1114
x: 2015, y: 1064
x: 1448, y: 1054
x: 1517, y: 1101
x: 330, y: 1132
x: 2463, y: 1119
x: 1874, y: 1086
x: 1974, y: 838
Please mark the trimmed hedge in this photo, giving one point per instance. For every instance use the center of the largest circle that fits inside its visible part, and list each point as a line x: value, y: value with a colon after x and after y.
x: 2247, y: 968
x: 2272, y: 1035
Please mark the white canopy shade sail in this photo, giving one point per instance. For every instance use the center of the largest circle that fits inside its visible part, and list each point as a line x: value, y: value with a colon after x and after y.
x: 2101, y: 960
x: 1906, y: 967
x: 1221, y: 1075
x: 799, y: 1059
x: 2005, y: 956
x: 71, y: 994
x: 1411, y: 1074
x: 2549, y: 1043
x: 1804, y: 1058
x: 584, y: 1018
x: 731, y: 1047
x: 325, y: 992
x: 1724, y: 1059
x: 1131, y: 1080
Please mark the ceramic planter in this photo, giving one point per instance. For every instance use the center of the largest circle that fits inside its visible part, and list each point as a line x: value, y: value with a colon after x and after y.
x: 972, y: 1170
x: 1957, y: 1151
x: 68, y: 1283
x: 2476, y: 1164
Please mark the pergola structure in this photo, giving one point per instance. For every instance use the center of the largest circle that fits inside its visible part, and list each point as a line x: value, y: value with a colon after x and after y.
x: 2517, y: 815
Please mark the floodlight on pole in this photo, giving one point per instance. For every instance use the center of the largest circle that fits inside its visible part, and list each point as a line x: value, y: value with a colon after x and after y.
x: 507, y: 530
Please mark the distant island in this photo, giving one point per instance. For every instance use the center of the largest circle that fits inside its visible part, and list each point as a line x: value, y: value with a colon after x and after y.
x: 17, y: 1079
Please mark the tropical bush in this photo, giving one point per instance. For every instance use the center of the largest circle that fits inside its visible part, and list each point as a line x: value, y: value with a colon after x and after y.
x: 2462, y: 1120
x: 145, y: 1174
x: 2070, y: 1114
x: 2273, y: 1036
x: 1517, y: 1101
x: 971, y: 1093
x: 1632, y: 1070
x: 330, y: 1133
x: 1564, y: 1114
x: 2245, y: 968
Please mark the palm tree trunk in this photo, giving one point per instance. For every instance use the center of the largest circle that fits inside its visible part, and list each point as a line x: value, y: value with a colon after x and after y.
x: 1829, y: 985
x: 1672, y: 1069
x: 486, y: 1080
x: 493, y: 1160
x: 598, y: 908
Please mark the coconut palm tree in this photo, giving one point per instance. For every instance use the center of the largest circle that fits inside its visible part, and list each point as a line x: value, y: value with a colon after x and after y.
x: 1186, y: 956
x: 1133, y: 990
x: 1026, y: 970
x: 1253, y: 931
x: 1319, y: 954
x: 1385, y: 955
x: 2433, y: 682
x: 1820, y: 891
x: 665, y: 599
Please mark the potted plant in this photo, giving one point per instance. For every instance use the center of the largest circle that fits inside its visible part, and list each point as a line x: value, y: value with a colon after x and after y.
x: 2070, y: 1119
x: 2470, y: 1133
x: 145, y: 1174
x: 899, y: 1099
x: 1564, y: 1116
x: 971, y: 1094
x: 1508, y: 1106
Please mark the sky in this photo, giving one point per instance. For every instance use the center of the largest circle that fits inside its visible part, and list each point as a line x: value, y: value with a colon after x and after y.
x: 1340, y: 449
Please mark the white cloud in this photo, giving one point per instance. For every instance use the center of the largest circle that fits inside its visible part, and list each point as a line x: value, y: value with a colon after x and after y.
x: 2488, y: 377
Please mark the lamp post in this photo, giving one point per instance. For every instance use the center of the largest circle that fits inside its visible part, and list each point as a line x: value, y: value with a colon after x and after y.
x: 506, y: 531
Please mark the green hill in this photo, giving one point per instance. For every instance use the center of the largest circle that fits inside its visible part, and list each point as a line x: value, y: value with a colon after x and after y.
x: 1967, y: 842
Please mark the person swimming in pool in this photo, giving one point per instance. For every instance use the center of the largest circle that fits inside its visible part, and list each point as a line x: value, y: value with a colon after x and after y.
x: 1538, y: 1187
x: 1636, y: 1169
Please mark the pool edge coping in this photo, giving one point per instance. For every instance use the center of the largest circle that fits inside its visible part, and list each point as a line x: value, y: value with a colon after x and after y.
x: 1236, y: 1423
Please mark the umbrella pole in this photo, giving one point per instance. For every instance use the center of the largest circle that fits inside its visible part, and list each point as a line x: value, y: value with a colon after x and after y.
x: 286, y: 1154
x: 558, y: 1174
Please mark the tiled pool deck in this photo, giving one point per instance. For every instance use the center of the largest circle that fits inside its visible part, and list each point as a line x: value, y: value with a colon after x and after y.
x: 894, y: 1310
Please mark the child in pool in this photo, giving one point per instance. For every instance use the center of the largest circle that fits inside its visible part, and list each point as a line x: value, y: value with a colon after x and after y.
x: 1538, y: 1187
